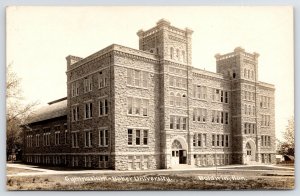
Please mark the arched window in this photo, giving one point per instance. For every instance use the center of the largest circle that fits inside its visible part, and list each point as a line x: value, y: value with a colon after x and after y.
x: 178, y: 99
x: 253, y: 110
x: 172, y: 97
x: 245, y: 73
x: 233, y: 74
x: 245, y: 109
x: 252, y: 74
x: 177, y: 54
x: 248, y: 75
x: 249, y: 110
x: 171, y: 52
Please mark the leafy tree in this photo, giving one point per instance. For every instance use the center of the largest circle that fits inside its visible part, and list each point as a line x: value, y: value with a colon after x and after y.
x: 16, y: 111
x: 287, y: 146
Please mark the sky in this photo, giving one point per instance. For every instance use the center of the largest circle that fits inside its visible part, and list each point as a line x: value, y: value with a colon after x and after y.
x: 39, y: 39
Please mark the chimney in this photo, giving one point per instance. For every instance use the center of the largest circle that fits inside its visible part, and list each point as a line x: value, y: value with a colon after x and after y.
x: 72, y: 60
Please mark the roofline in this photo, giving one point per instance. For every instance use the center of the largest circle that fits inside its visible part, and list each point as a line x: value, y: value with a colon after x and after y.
x: 57, y: 100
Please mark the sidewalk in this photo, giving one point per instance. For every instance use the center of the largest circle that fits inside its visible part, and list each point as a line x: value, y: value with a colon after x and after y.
x: 53, y: 172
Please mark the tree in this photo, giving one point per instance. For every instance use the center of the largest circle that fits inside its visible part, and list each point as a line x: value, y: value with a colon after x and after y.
x: 17, y: 112
x: 287, y: 146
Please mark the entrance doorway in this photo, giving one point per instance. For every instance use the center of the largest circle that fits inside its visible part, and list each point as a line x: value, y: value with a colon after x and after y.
x: 179, y: 155
x: 248, y: 152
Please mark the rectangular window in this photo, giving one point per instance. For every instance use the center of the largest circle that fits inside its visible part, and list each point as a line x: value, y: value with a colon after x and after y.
x: 88, y: 139
x: 199, y: 139
x: 137, y: 137
x: 194, y: 114
x: 88, y: 110
x: 145, y: 107
x: 213, y: 140
x: 37, y: 140
x: 105, y: 106
x: 204, y: 140
x: 137, y: 78
x: 129, y: 105
x: 75, y: 113
x: 145, y: 79
x: 222, y: 140
x: 226, y: 97
x: 130, y: 163
x: 130, y: 74
x: 171, y: 80
x: 178, y: 122
x: 101, y: 108
x: 222, y: 117
x: 75, y: 89
x: 194, y: 140
x: 87, y: 84
x: 145, y: 139
x: 103, y: 137
x: 226, y: 141
x: 184, y: 122
x: 100, y: 80
x: 129, y: 135
x: 172, y: 122
x: 74, y: 137
x: 138, y: 162
x: 222, y: 96
x: 57, y: 138
x: 137, y: 106
x: 226, y: 118
x: 218, y: 140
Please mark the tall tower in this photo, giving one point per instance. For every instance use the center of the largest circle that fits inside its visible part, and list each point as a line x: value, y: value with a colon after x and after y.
x: 174, y: 49
x: 241, y: 68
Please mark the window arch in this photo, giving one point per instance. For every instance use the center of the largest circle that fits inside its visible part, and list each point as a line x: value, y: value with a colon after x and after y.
x: 178, y: 99
x: 171, y: 52
x: 172, y: 97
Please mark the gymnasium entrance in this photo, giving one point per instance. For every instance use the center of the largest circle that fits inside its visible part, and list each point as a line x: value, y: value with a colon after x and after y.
x: 179, y: 155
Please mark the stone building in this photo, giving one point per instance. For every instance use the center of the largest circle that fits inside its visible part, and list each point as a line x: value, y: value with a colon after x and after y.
x: 151, y: 109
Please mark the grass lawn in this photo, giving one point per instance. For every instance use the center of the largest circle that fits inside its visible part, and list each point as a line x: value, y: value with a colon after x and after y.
x: 176, y: 181
x: 13, y: 170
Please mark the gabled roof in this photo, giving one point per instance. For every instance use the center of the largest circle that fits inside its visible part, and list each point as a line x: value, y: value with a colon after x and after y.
x: 55, y: 109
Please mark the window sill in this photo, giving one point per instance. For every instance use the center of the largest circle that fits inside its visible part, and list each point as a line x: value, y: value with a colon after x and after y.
x: 139, y: 146
x: 175, y: 87
x: 88, y: 118
x: 99, y: 88
x: 138, y: 87
x: 199, y: 122
x: 103, y: 146
x: 140, y: 116
x: 105, y: 115
x: 75, y: 147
